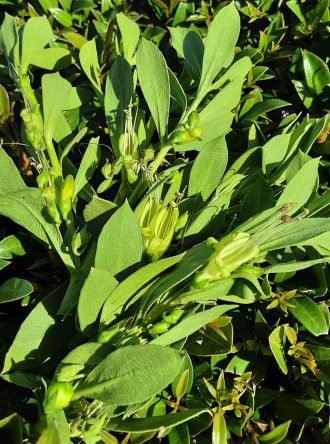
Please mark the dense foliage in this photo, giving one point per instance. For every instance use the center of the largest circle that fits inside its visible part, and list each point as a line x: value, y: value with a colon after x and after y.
x: 164, y: 221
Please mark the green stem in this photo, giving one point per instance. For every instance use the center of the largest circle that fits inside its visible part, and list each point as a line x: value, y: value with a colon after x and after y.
x: 159, y: 159
x: 57, y: 169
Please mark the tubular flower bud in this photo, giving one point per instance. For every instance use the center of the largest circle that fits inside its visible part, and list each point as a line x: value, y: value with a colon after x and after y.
x: 193, y: 119
x: 43, y: 180
x: 66, y: 195
x: 159, y: 233
x: 49, y: 194
x: 230, y: 253
x: 59, y: 396
x: 34, y: 127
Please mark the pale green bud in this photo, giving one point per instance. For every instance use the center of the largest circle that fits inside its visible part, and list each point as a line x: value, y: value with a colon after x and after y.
x: 230, y: 253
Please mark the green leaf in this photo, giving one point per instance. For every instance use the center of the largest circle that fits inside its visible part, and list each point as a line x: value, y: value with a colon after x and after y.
x: 261, y: 108
x: 96, y: 289
x: 131, y: 374
x: 288, y: 267
x: 13, y: 424
x: 25, y: 206
x: 177, y: 92
x: 55, y: 92
x: 52, y: 58
x: 77, y: 138
x: 32, y: 46
x: 276, y: 342
x: 208, y: 168
x: 309, y: 314
x: 130, y: 34
x: 188, y: 45
x: 275, y: 436
x: 118, y: 95
x: 219, y: 44
x: 219, y: 429
x: 10, y: 247
x: 14, y: 289
x: 132, y: 284
x: 63, y: 17
x: 98, y: 207
x: 119, y: 245
x: 274, y: 151
x: 191, y: 323
x: 289, y: 407
x: 154, y: 81
x: 57, y: 430
x: 154, y: 422
x: 9, y: 44
x: 239, y: 69
x: 40, y: 336
x: 322, y: 357
x: 90, y: 64
x: 301, y: 186
x: 88, y: 165
x: 317, y: 74
x: 297, y: 233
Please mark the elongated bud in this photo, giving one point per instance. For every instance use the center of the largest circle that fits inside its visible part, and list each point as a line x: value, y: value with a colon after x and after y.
x: 173, y: 317
x: 128, y: 145
x: 67, y: 188
x: 146, y: 210
x: 59, y: 396
x: 34, y: 127
x: 49, y: 194
x: 66, y: 195
x: 43, y: 180
x: 193, y: 119
x: 230, y: 253
x: 159, y: 328
x: 158, y: 235
x: 107, y: 170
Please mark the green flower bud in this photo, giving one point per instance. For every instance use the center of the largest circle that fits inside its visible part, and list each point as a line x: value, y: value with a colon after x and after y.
x: 182, y: 221
x: 230, y: 253
x: 159, y: 233
x: 146, y: 210
x: 159, y: 328
x: 54, y: 213
x: 193, y: 119
x: 34, y: 127
x: 43, y: 180
x: 128, y: 145
x: 173, y: 317
x: 107, y: 170
x: 67, y: 188
x: 66, y: 195
x: 196, y: 133
x: 181, y: 137
x: 65, y: 208
x: 149, y: 155
x: 59, y: 396
x: 132, y: 176
x: 49, y: 194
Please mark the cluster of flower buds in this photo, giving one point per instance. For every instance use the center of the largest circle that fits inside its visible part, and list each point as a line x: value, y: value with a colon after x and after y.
x: 168, y: 320
x: 188, y: 132
x: 58, y: 197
